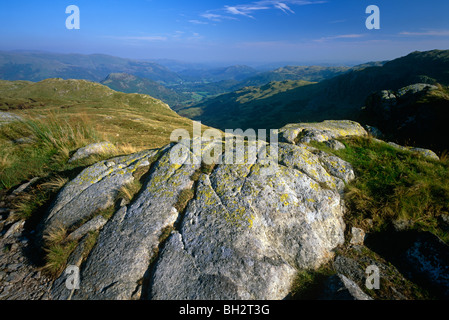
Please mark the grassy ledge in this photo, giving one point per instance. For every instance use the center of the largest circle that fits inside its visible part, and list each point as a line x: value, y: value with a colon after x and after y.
x: 393, y: 185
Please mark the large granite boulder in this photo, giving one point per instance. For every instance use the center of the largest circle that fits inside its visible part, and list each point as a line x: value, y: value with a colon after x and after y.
x: 244, y: 234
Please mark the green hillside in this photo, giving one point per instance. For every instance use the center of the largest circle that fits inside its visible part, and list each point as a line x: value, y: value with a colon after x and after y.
x: 120, y: 116
x: 131, y: 84
x: 341, y: 97
x: 245, y: 107
x: 60, y: 116
x: 306, y: 73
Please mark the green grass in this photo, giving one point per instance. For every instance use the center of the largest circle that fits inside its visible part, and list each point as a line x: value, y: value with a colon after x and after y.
x: 394, y: 185
x: 52, y: 142
x: 309, y: 284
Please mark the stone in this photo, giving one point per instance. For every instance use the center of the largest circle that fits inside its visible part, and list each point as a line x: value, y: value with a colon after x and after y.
x: 15, y: 228
x: 335, y: 144
x: 444, y: 221
x: 24, y: 140
x: 402, y: 224
x: 423, y: 152
x: 417, y: 88
x: 8, y: 117
x: 358, y: 236
x: 14, y: 266
x: 339, y: 287
x: 237, y: 236
x: 93, y: 225
x: 426, y: 153
x: 93, y: 149
x: 24, y: 187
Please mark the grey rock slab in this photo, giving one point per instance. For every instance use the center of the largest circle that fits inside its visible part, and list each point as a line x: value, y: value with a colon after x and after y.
x: 249, y: 233
x: 428, y: 258
x: 128, y: 242
x: 423, y: 152
x: 95, y: 188
x: 24, y: 186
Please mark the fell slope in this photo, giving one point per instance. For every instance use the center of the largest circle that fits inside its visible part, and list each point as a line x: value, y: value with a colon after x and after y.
x: 341, y: 97
x: 128, y: 83
x: 120, y: 116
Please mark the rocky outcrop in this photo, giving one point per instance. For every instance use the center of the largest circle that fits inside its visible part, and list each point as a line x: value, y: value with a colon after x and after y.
x: 244, y: 234
x: 416, y: 114
x: 320, y: 132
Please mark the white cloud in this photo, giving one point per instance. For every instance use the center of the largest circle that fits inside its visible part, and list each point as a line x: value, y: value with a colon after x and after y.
x: 216, y: 17
x: 198, y: 22
x: 285, y: 8
x: 248, y: 10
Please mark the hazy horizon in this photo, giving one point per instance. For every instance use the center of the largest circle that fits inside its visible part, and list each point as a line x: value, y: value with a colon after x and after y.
x: 232, y: 32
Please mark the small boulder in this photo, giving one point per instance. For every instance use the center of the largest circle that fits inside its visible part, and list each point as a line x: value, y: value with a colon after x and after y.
x: 93, y: 149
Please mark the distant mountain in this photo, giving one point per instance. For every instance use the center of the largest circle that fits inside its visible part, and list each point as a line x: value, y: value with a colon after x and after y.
x: 127, y: 83
x: 236, y: 72
x: 341, y: 97
x: 305, y: 73
x: 34, y: 66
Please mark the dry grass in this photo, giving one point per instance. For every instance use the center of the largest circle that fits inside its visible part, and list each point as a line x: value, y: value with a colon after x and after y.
x: 57, y: 234
x: 55, y: 184
x: 128, y: 191
x: 58, y: 250
x: 6, y: 160
x: 183, y: 199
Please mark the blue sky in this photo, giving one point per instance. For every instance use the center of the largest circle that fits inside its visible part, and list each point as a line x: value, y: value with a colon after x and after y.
x: 314, y: 31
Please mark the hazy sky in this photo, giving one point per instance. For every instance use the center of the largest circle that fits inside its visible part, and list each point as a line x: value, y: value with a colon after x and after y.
x: 230, y: 30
